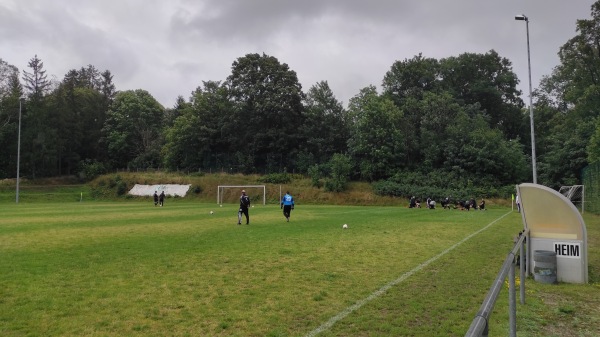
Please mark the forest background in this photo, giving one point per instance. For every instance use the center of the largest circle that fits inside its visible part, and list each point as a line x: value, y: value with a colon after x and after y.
x: 438, y: 126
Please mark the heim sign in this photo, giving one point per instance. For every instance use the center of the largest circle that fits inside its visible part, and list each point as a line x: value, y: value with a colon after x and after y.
x: 567, y: 249
x: 554, y: 225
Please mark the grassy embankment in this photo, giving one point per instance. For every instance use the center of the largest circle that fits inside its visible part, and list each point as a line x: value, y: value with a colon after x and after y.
x: 203, y: 189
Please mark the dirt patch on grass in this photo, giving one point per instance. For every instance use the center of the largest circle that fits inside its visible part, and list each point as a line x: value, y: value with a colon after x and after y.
x: 569, y: 310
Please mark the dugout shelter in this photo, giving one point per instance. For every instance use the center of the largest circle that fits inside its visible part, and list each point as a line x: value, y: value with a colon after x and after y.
x: 556, y: 225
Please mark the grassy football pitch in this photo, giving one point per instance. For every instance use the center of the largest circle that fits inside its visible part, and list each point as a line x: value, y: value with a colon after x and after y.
x: 133, y: 269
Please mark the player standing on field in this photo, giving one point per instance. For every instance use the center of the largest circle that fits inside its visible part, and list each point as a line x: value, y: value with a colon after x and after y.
x: 287, y: 203
x: 244, y: 205
x: 161, y: 198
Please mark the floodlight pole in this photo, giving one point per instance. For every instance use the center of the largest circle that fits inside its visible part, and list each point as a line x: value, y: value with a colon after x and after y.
x: 523, y: 17
x: 21, y: 99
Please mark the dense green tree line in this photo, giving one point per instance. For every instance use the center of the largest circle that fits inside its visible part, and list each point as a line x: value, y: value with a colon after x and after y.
x: 454, y: 122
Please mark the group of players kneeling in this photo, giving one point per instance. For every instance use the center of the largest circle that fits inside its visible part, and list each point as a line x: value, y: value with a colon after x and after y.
x: 447, y: 204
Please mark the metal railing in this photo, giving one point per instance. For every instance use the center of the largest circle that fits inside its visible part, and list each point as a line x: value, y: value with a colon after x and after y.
x: 480, y: 325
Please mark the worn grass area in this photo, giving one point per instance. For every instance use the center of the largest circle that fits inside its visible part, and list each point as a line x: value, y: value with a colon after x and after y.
x: 132, y: 269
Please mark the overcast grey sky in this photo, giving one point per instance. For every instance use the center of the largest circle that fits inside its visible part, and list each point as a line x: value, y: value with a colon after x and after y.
x: 169, y: 47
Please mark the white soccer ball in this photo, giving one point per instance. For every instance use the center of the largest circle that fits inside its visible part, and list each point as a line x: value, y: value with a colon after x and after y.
x: 211, y: 212
x: 345, y: 226
x: 220, y: 205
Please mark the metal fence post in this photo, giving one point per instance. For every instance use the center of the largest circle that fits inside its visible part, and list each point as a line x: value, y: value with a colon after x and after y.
x: 512, y: 301
x: 522, y: 272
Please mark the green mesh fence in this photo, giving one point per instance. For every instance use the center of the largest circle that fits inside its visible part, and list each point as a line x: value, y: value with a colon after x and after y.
x: 591, y: 181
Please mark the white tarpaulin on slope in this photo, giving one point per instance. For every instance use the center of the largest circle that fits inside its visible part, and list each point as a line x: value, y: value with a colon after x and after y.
x: 170, y: 189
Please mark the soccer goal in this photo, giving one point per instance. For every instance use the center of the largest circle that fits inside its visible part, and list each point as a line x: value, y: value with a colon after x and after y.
x: 575, y: 193
x: 221, y: 191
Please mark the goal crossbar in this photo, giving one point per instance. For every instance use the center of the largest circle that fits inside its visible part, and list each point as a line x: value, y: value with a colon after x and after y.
x: 221, y: 189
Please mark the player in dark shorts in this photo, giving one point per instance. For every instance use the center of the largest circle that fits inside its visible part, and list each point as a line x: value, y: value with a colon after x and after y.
x: 287, y: 204
x: 244, y: 205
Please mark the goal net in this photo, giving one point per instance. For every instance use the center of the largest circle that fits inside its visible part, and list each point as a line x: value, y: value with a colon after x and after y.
x: 232, y: 192
x: 575, y: 193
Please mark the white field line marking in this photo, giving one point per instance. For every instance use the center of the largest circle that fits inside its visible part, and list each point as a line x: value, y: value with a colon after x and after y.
x: 385, y: 288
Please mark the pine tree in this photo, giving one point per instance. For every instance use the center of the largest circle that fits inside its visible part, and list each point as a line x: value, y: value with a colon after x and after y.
x: 36, y: 82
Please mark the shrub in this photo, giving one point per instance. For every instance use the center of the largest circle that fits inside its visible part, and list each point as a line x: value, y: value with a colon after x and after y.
x: 332, y: 185
x: 90, y: 169
x: 276, y: 178
x: 389, y: 188
x: 315, y: 175
x: 112, y: 182
x: 424, y: 186
x: 121, y: 187
x: 340, y: 166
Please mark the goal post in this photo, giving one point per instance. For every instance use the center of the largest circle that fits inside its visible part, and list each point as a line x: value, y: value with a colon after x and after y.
x: 221, y: 191
x: 575, y: 193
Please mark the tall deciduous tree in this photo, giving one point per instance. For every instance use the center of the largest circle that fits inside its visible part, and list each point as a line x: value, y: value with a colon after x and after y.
x: 376, y: 142
x: 481, y: 154
x: 268, y: 112
x: 10, y: 92
x: 576, y: 79
x: 406, y: 83
x: 412, y: 78
x: 437, y: 111
x: 182, y: 145
x: 570, y: 99
x: 487, y: 80
x: 198, y: 138
x: 431, y: 93
x: 325, y: 129
x: 133, y: 130
x: 566, y: 153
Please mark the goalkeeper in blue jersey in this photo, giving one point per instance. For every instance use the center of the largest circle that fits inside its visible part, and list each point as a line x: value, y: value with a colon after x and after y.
x: 287, y: 204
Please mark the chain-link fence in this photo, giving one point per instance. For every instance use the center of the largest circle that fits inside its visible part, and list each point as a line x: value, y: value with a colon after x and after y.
x: 591, y: 181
